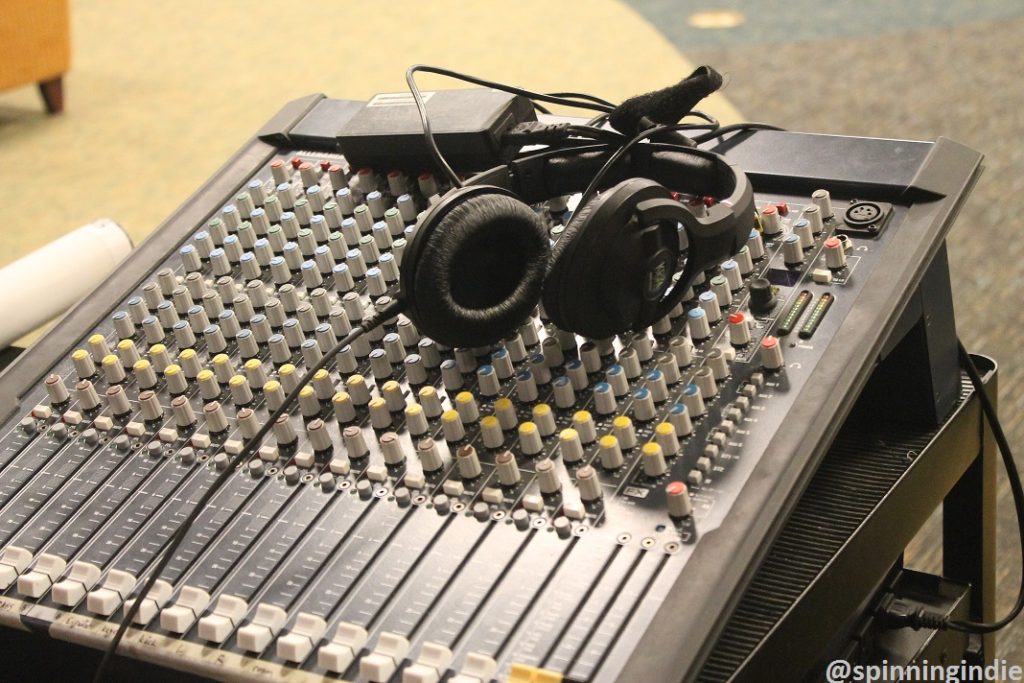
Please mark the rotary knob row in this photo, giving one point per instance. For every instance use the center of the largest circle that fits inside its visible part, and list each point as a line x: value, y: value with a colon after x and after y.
x: 249, y: 318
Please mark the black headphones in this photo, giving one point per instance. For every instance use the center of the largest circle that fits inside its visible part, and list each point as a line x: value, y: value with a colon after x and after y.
x: 480, y: 260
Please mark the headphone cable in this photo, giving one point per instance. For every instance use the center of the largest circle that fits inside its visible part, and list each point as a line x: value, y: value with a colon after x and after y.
x: 582, y: 96
x: 565, y: 99
x: 718, y: 130
x: 595, y: 182
x: 1016, y: 490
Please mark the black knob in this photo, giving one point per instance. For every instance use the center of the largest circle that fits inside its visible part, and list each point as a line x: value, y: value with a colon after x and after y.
x: 762, y: 295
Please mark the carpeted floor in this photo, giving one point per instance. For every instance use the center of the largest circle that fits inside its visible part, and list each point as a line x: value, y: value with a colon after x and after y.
x: 161, y: 93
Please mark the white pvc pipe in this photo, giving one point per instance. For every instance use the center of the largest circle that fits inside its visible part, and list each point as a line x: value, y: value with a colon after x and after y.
x: 42, y: 285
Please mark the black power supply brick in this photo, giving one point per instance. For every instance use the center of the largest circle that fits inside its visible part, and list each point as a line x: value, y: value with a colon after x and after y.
x: 468, y: 124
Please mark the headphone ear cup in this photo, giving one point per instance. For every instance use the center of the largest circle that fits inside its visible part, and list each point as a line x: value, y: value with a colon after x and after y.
x: 557, y: 297
x: 599, y: 280
x: 475, y: 268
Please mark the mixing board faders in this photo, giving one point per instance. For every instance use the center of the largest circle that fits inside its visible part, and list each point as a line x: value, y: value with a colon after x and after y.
x: 518, y: 512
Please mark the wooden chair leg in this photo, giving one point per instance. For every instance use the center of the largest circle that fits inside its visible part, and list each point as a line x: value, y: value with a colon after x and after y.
x: 53, y: 94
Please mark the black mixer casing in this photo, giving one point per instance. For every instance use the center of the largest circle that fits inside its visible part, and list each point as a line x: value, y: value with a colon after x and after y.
x: 629, y: 593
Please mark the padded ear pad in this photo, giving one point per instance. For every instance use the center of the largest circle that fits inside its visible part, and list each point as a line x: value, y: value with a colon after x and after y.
x: 475, y: 266
x: 599, y: 281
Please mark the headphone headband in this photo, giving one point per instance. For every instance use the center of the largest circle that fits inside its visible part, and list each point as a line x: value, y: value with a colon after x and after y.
x: 712, y: 238
x: 476, y: 264
x: 562, y: 171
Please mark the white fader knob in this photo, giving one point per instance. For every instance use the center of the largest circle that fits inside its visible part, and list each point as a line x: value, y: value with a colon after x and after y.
x: 116, y: 587
x: 338, y: 655
x: 37, y: 581
x: 298, y: 643
x: 228, y: 612
x: 157, y: 597
x: 264, y: 627
x: 476, y: 668
x: 430, y: 666
x: 179, y: 617
x: 380, y: 665
x: 13, y: 561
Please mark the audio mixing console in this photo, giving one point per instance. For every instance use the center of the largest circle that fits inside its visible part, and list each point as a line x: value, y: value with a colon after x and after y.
x: 550, y: 508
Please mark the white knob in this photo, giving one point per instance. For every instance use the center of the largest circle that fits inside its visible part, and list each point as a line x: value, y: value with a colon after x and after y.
x: 678, y: 500
x: 771, y: 353
x: 588, y: 483
x: 835, y: 255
